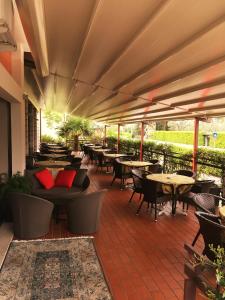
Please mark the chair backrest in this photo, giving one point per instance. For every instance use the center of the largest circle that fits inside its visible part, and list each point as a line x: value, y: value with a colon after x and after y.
x: 84, y: 212
x: 31, y: 215
x: 212, y: 231
x: 150, y: 189
x: 205, y: 202
x: 137, y: 178
x: 155, y: 169
x: 223, y: 185
x: 118, y: 168
x: 202, y: 186
x: 187, y: 173
x: 154, y: 161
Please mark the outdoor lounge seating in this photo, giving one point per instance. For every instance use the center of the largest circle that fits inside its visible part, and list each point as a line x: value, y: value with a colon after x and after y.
x: 84, y: 212
x: 31, y: 215
x: 59, y: 195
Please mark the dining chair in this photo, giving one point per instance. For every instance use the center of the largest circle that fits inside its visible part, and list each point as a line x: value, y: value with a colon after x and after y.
x: 155, y: 168
x: 212, y: 230
x: 207, y: 203
x: 152, y: 196
x: 138, y: 175
x: 120, y: 172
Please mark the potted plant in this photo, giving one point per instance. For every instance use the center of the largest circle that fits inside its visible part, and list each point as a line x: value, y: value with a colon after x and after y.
x: 16, y: 183
x: 207, y: 275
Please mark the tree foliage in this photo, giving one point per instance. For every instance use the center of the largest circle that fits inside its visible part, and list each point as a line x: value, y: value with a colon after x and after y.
x: 75, y: 126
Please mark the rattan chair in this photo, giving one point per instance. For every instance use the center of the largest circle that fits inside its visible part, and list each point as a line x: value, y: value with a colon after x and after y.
x: 31, y: 215
x: 155, y: 168
x: 120, y: 172
x: 206, y: 203
x: 138, y: 175
x: 212, y: 230
x: 84, y: 212
x: 152, y: 196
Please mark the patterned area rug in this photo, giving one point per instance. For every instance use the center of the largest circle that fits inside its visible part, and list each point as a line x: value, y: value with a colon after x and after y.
x: 53, y: 269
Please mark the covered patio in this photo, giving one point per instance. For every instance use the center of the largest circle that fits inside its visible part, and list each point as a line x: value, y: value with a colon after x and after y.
x: 115, y: 63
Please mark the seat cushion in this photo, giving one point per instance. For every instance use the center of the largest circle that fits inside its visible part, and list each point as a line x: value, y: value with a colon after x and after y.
x: 58, y: 193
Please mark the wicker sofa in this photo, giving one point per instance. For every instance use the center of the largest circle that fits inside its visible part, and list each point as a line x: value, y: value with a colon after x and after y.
x: 59, y: 195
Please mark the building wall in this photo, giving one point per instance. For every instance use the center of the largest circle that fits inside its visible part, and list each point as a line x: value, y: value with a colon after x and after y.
x: 11, y: 90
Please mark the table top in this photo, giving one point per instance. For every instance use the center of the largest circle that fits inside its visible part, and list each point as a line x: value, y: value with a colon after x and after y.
x: 135, y: 163
x: 101, y: 150
x: 52, y: 164
x: 173, y: 179
x: 222, y: 212
x: 95, y: 147
x: 53, y: 155
x: 57, y: 150
x: 55, y: 147
x: 114, y: 155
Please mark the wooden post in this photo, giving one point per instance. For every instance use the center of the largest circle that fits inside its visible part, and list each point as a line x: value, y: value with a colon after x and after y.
x: 40, y: 124
x: 104, y: 142
x: 195, y: 145
x: 118, y: 139
x: 142, y: 140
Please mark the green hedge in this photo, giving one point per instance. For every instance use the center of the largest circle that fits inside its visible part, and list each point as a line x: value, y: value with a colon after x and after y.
x: 186, y: 137
x: 182, y: 157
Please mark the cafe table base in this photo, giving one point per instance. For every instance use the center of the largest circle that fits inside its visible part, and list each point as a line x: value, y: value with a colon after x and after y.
x: 169, y: 210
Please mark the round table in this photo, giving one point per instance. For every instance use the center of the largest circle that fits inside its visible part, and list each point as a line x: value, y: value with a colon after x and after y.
x: 135, y: 163
x: 174, y: 181
x: 57, y: 151
x: 101, y: 150
x: 52, y: 164
x: 53, y: 155
x: 114, y: 155
x: 55, y: 147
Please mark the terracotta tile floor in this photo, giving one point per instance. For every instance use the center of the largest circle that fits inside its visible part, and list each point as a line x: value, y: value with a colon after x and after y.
x: 142, y: 259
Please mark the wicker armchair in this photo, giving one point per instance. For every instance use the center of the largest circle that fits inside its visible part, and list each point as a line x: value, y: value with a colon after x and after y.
x: 138, y: 175
x: 120, y: 172
x: 84, y: 212
x: 152, y: 196
x: 31, y: 215
x: 212, y: 231
x: 206, y: 203
x: 155, y: 168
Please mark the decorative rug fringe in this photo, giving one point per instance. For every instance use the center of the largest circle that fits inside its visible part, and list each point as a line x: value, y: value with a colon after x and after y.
x: 55, y: 239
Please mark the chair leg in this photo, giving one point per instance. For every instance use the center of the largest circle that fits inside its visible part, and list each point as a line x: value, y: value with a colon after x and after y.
x: 139, y: 208
x: 113, y: 180
x: 131, y: 196
x: 155, y: 212
x: 196, y: 237
x: 189, y: 289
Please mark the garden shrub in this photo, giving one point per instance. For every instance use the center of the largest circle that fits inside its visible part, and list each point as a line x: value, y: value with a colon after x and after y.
x: 175, y: 156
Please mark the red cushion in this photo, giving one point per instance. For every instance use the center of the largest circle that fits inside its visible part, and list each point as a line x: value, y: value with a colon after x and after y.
x: 65, y: 178
x: 45, y: 178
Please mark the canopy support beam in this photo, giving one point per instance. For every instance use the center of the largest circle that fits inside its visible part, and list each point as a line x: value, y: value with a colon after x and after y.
x: 142, y: 140
x: 195, y: 145
x: 118, y: 139
x: 104, y: 141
